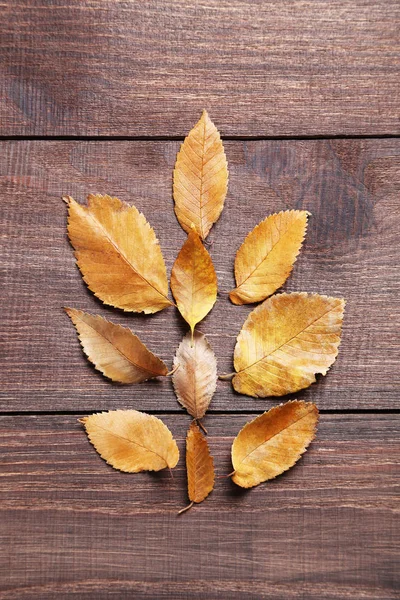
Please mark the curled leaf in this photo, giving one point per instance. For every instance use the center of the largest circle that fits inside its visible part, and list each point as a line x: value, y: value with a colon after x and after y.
x: 265, y: 259
x: 195, y: 377
x: 273, y: 442
x: 199, y: 466
x: 193, y: 281
x: 285, y: 341
x: 115, y: 350
x: 200, y: 178
x: 132, y: 441
x: 118, y: 254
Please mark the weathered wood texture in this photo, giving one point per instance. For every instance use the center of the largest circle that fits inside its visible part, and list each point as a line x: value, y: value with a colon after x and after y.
x: 112, y: 67
x: 351, y: 188
x: 72, y: 527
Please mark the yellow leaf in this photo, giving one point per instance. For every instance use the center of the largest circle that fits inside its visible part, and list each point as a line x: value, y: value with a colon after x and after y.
x: 273, y: 442
x: 200, y: 178
x: 285, y: 341
x: 265, y: 259
x: 132, y: 441
x: 118, y: 254
x: 193, y: 281
x: 115, y: 350
x: 199, y: 466
x: 195, y: 377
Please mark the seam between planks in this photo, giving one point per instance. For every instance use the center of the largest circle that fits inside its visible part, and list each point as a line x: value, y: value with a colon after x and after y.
x: 180, y: 138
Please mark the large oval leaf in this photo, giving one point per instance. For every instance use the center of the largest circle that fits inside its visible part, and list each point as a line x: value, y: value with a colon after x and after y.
x: 199, y: 466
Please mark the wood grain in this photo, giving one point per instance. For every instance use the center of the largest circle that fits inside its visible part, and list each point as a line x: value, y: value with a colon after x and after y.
x: 262, y: 68
x: 351, y: 188
x: 72, y: 527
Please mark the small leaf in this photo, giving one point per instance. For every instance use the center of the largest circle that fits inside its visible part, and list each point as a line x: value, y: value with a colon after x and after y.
x: 265, y: 259
x: 195, y: 378
x: 200, y: 178
x: 199, y: 466
x: 273, y: 442
x: 132, y: 441
x: 193, y: 281
x: 118, y: 254
x: 115, y: 350
x: 285, y: 341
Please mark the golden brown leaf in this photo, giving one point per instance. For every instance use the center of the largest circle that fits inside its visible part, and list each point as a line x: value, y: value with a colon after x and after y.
x: 115, y: 350
x: 193, y: 281
x: 273, y: 442
x: 132, y: 441
x: 199, y: 466
x: 200, y: 178
x: 118, y: 254
x: 285, y: 341
x: 195, y: 377
x: 265, y: 259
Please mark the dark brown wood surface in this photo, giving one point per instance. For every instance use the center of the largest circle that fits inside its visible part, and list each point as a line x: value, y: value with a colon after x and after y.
x: 263, y: 68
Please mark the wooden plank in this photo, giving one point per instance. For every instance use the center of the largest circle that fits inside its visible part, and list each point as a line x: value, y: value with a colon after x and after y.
x: 261, y: 68
x: 350, y: 187
x: 72, y: 527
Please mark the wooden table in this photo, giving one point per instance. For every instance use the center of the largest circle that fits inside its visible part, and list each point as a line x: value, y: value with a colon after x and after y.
x: 96, y: 96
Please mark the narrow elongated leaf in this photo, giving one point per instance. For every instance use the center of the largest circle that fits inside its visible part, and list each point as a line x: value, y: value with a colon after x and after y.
x: 193, y: 281
x: 118, y: 254
x: 199, y: 466
x: 195, y: 377
x: 285, y: 341
x: 265, y: 259
x: 132, y: 441
x: 273, y: 442
x: 115, y: 350
x: 200, y: 178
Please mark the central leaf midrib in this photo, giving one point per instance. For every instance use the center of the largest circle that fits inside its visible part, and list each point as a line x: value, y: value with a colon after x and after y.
x: 121, y: 437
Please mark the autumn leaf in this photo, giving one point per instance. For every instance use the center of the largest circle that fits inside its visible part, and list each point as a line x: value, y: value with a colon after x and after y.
x: 115, y: 350
x: 273, y: 442
x: 193, y: 281
x: 200, y: 178
x: 285, y: 341
x: 132, y: 441
x: 265, y: 259
x: 195, y: 374
x: 118, y: 254
x: 199, y: 466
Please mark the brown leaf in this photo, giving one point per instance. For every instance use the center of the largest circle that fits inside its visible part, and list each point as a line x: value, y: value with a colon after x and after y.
x: 195, y: 377
x: 273, y: 442
x: 265, y: 259
x: 132, y: 441
x: 199, y: 466
x: 285, y: 341
x: 118, y: 254
x: 193, y: 281
x: 115, y: 350
x: 200, y: 178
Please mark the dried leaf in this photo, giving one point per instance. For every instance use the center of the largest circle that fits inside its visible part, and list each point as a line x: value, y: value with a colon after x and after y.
x: 115, y: 350
x: 265, y: 259
x: 195, y: 378
x: 132, y: 441
x: 118, y: 254
x: 273, y: 442
x: 285, y: 341
x: 193, y: 281
x: 199, y: 466
x: 200, y: 178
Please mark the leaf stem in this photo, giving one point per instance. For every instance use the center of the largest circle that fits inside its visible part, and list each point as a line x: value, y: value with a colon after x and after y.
x: 186, y: 508
x: 226, y: 376
x: 200, y: 424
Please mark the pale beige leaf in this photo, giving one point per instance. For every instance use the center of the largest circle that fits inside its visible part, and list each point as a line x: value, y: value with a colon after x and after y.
x: 199, y: 466
x: 118, y: 254
x: 285, y: 341
x: 193, y: 281
x: 195, y: 377
x: 132, y: 441
x: 115, y: 350
x: 273, y: 442
x: 200, y: 178
x: 265, y: 259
